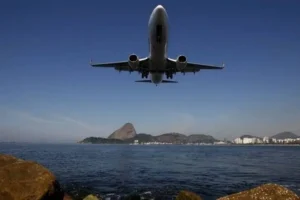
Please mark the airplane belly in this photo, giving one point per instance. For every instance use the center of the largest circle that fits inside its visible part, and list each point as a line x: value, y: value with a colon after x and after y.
x: 156, y: 78
x: 157, y: 65
x: 157, y: 56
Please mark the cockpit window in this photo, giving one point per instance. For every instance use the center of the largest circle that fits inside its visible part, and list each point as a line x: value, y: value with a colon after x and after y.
x: 158, y: 33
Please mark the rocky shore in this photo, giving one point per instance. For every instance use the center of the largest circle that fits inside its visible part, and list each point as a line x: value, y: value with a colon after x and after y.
x: 28, y: 180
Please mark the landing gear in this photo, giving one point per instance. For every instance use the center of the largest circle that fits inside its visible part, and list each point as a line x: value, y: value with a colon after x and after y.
x: 169, y: 75
x: 145, y: 74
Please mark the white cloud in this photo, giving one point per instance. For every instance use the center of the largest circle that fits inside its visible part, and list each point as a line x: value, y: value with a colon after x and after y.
x: 84, y: 125
x: 56, y: 119
x: 53, y: 124
x: 28, y: 116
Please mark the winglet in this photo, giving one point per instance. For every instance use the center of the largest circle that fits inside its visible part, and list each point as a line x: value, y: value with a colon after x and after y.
x: 223, y: 64
x: 91, y: 61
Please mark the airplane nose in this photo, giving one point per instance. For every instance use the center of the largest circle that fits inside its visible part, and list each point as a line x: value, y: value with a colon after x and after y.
x: 160, y: 8
x: 160, y: 11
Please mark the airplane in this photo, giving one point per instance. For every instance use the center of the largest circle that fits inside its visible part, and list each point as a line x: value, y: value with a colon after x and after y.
x: 157, y: 63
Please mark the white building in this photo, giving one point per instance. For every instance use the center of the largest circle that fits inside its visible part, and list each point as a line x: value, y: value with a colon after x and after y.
x: 266, y: 139
x: 238, y: 141
x: 220, y: 142
x: 274, y: 140
x: 259, y: 141
x: 249, y: 140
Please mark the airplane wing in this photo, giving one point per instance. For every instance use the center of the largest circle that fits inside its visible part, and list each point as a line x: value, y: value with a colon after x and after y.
x: 191, y: 67
x: 149, y: 81
x: 122, y: 65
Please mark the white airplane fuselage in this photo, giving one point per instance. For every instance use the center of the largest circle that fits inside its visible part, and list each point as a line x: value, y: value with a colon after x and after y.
x: 158, y: 40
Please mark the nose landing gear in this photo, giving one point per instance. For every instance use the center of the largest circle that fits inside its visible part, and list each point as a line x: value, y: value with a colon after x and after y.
x: 169, y: 75
x: 145, y: 74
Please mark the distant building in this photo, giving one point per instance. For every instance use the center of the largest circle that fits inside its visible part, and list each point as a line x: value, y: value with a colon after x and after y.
x: 259, y: 141
x: 238, y: 141
x: 266, y: 139
x: 274, y: 140
x: 220, y: 142
x: 280, y: 141
x: 136, y: 141
x: 249, y: 140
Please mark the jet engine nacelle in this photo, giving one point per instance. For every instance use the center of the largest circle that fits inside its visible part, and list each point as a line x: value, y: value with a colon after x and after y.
x: 133, y: 61
x: 181, y: 62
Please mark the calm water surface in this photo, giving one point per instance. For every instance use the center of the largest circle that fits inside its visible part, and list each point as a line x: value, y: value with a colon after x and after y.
x: 159, y: 172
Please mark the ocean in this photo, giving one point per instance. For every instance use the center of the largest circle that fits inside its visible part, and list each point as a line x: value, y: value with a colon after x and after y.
x: 161, y: 171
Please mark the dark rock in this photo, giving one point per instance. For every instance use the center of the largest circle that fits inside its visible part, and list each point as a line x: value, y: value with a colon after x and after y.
x: 133, y: 197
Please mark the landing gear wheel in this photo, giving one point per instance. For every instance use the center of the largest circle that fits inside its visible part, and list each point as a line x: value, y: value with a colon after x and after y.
x: 145, y: 75
x: 169, y: 76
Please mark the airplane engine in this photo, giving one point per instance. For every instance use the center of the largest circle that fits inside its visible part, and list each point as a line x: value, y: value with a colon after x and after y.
x: 133, y: 61
x: 181, y: 62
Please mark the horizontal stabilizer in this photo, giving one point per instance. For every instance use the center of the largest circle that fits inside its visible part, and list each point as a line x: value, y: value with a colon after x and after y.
x: 149, y: 81
x: 144, y: 81
x: 166, y: 81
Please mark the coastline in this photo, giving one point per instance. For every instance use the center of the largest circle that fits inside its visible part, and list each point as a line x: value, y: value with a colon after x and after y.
x: 254, y: 145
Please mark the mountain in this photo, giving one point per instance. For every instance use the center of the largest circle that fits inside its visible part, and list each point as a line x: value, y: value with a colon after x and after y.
x: 99, y: 140
x: 285, y: 135
x: 200, y: 138
x: 125, y: 132
x: 174, y: 138
x: 180, y: 138
x: 142, y: 137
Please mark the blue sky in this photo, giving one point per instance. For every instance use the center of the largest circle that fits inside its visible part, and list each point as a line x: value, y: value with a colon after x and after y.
x: 49, y: 91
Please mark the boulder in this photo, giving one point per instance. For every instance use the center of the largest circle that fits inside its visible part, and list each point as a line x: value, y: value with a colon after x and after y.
x: 91, y: 197
x: 27, y: 180
x: 67, y: 197
x: 186, y: 195
x: 263, y: 192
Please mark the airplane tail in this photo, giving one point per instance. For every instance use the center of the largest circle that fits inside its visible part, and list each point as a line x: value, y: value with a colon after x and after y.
x: 149, y: 81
